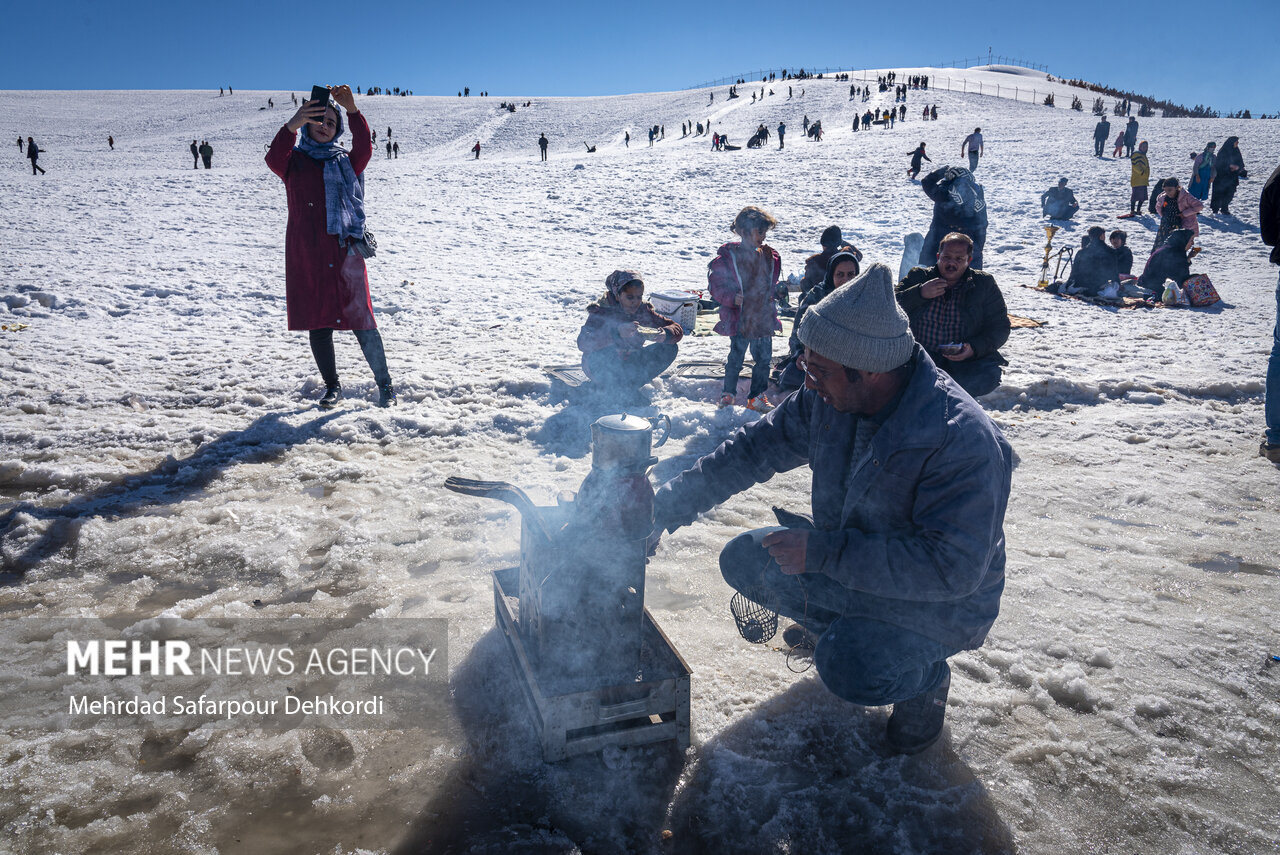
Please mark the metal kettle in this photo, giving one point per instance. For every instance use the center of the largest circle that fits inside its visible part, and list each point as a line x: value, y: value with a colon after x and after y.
x: 623, y: 440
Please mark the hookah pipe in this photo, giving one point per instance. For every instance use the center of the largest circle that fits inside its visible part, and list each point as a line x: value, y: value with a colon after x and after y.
x: 1049, y: 231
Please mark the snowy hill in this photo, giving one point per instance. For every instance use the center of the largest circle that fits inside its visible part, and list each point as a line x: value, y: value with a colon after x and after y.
x: 160, y: 454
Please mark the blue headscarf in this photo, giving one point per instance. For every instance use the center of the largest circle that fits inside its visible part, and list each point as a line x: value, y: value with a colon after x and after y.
x: 343, y: 189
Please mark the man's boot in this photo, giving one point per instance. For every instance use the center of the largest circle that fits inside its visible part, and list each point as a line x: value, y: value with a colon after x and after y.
x: 917, y: 723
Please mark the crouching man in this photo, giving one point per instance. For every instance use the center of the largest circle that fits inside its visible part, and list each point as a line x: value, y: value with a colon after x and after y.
x: 902, y: 564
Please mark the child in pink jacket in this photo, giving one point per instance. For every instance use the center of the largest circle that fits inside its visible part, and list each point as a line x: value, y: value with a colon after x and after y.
x: 743, y: 279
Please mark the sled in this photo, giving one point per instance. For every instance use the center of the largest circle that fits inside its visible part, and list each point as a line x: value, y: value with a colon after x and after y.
x: 912, y: 244
x: 713, y: 369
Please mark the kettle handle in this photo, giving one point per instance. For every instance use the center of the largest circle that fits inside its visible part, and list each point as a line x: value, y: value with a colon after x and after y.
x: 666, y: 430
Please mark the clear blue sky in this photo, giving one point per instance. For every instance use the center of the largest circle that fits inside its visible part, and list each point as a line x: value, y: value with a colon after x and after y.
x: 1157, y: 47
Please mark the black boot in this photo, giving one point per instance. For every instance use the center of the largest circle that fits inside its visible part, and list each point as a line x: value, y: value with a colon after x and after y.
x: 917, y: 723
x: 332, y: 395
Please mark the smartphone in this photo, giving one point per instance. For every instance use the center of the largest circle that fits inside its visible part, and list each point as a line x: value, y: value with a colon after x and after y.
x: 951, y: 349
x: 320, y: 94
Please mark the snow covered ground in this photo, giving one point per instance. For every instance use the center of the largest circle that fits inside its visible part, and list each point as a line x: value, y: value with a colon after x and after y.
x: 160, y: 453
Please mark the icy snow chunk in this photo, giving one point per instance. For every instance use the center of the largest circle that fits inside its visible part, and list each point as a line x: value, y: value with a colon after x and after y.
x: 1070, y: 687
x: 1101, y: 658
x: 1151, y: 706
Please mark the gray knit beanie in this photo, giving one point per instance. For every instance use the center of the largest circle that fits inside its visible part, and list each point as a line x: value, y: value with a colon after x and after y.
x: 860, y: 324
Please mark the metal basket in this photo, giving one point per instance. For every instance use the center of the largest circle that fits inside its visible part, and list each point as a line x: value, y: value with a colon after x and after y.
x: 757, y: 621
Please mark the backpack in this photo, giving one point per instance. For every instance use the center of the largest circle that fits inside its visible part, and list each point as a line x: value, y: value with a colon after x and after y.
x: 1200, y: 291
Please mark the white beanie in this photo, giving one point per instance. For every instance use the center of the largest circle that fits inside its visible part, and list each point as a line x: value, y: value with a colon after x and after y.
x: 860, y: 324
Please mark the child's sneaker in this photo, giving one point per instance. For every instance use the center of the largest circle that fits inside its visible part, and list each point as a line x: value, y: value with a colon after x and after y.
x: 760, y: 404
x: 332, y: 395
x: 726, y: 400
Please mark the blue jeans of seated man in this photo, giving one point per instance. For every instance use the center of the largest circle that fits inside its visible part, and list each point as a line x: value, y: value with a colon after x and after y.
x: 1272, y: 406
x: 861, y: 660
x: 976, y: 376
x: 761, y: 355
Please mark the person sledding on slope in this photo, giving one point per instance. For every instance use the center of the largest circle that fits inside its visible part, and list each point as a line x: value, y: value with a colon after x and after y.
x: 624, y: 342
x: 326, y: 283
x: 743, y: 279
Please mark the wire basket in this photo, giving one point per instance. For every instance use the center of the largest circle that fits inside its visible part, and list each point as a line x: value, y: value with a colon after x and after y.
x: 757, y: 623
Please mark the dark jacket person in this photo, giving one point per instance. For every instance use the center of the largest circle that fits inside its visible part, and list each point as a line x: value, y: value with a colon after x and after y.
x: 902, y: 565
x: 958, y: 316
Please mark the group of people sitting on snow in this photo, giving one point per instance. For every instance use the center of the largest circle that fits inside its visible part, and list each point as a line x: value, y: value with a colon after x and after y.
x: 1103, y: 266
x: 956, y: 314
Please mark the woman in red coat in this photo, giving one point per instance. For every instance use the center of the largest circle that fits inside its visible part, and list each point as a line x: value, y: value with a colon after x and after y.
x: 326, y: 284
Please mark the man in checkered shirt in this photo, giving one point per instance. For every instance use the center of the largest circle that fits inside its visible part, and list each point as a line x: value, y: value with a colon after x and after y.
x: 958, y: 316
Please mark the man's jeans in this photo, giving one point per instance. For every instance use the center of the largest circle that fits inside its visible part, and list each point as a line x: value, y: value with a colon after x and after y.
x: 862, y: 660
x: 973, y: 161
x: 1272, y: 407
x: 977, y: 376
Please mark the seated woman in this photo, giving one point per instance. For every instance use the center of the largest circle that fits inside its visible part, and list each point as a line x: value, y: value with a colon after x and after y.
x: 613, y: 341
x: 1095, y: 265
x: 1172, y: 260
x: 1119, y: 240
x: 842, y: 268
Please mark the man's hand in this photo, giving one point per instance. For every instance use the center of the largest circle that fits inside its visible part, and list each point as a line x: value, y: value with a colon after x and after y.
x: 788, y: 548
x: 933, y: 289
x: 961, y: 355
x: 342, y: 94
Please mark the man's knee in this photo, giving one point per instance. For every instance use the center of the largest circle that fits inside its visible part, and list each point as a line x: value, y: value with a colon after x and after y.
x: 859, y: 665
x: 743, y: 560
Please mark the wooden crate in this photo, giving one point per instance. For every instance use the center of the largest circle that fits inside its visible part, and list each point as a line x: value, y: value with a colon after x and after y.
x: 653, y: 708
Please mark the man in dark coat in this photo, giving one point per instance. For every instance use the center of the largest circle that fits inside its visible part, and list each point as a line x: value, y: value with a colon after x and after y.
x: 958, y: 315
x: 902, y: 563
x: 1130, y: 136
x: 1101, y: 132
x: 1270, y: 228
x: 195, y: 155
x: 206, y: 154
x: 1059, y: 203
x: 33, y: 154
x: 959, y: 205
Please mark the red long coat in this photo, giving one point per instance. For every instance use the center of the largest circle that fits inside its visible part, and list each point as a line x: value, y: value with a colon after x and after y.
x: 325, y: 285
